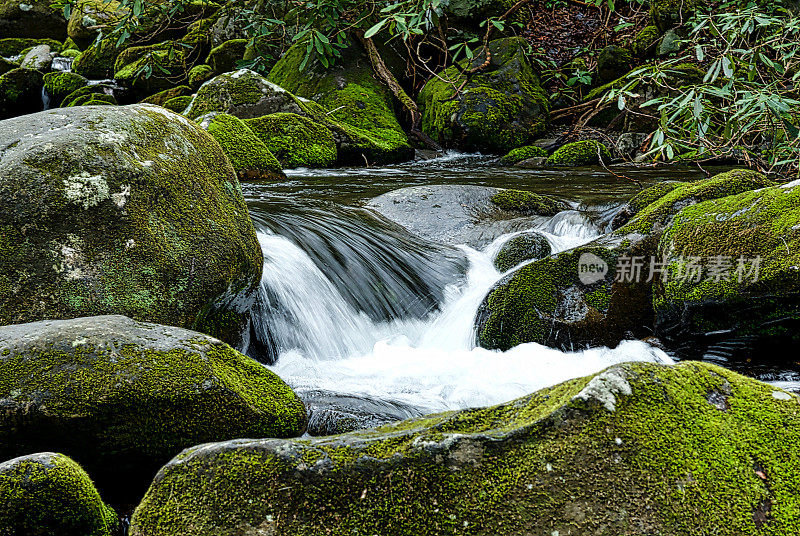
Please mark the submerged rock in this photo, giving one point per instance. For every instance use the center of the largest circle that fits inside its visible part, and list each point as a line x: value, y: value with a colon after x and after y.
x: 463, y: 214
x: 621, y: 452
x: 733, y: 275
x: 501, y: 107
x: 129, y: 210
x: 600, y: 293
x: 123, y: 397
x: 49, y: 493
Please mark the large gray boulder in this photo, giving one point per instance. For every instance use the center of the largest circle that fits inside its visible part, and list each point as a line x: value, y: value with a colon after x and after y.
x: 122, y: 397
x: 128, y: 210
x: 464, y: 214
x: 637, y: 449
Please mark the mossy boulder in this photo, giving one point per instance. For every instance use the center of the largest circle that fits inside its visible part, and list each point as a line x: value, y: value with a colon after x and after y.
x: 97, y: 61
x: 747, y: 248
x: 244, y: 94
x: 356, y: 100
x: 84, y: 94
x: 642, y: 200
x: 644, y: 42
x: 13, y: 46
x: 296, y: 141
x: 48, y: 493
x: 250, y: 157
x: 7, y: 65
x: 526, y: 203
x: 580, y: 153
x: 178, y: 104
x: 639, y: 448
x: 160, y: 98
x: 20, y: 92
x: 528, y: 246
x: 122, y: 397
x: 199, y: 74
x: 613, y: 62
x: 149, y: 69
x: 667, y: 14
x: 32, y: 19
x: 501, y: 107
x: 223, y: 58
x: 39, y: 58
x: 128, y: 210
x: 59, y: 84
x: 519, y: 154
x: 88, y: 15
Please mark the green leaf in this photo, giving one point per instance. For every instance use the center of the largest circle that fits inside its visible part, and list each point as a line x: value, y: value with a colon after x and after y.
x: 375, y: 29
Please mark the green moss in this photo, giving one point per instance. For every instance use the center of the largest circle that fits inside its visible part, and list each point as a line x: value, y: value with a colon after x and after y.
x: 656, y: 215
x: 522, y: 153
x: 60, y: 84
x: 644, y: 41
x: 525, y: 247
x: 13, y: 46
x: 163, y: 96
x: 19, y: 90
x: 249, y: 155
x: 199, y: 74
x: 178, y: 104
x: 124, y: 397
x: 295, y: 141
x: 97, y: 61
x: 51, y: 494
x: 83, y: 94
x: 667, y: 14
x: 637, y: 445
x: 499, y: 109
x: 580, y: 153
x: 652, y: 194
x: 613, y: 62
x: 527, y: 203
x: 92, y: 99
x: 224, y: 57
x: 167, y: 63
x: 763, y: 224
x: 70, y: 53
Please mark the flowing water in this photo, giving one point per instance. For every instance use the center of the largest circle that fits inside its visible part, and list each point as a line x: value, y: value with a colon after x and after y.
x: 369, y: 324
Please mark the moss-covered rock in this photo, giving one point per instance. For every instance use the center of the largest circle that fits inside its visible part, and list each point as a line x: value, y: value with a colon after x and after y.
x: 59, y: 84
x: 178, y: 104
x: 527, y: 203
x: 20, y: 92
x: 658, y: 205
x: 580, y: 153
x: 13, y: 46
x: 613, y: 62
x: 561, y: 302
x: 128, y: 210
x: 160, y: 98
x: 70, y: 53
x: 745, y: 252
x: 152, y: 68
x: 296, y: 141
x: 39, y: 58
x: 48, y: 493
x: 636, y: 449
x: 244, y: 94
x: 641, y: 200
x: 199, y: 74
x: 356, y: 100
x: 7, y: 65
x: 97, y: 61
x: 499, y: 109
x: 223, y: 58
x: 250, y: 157
x: 528, y: 246
x: 122, y: 397
x: 88, y: 15
x: 32, y: 19
x: 83, y: 94
x: 522, y: 153
x: 667, y: 14
x: 644, y: 42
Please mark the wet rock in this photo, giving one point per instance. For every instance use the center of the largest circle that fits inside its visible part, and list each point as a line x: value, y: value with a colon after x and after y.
x: 501, y: 108
x: 122, y: 397
x: 127, y: 210
x: 733, y: 276
x: 629, y: 143
x: 332, y: 413
x: 528, y: 246
x: 515, y: 156
x: 613, y: 62
x: 460, y: 214
x: 48, y: 493
x: 620, y: 451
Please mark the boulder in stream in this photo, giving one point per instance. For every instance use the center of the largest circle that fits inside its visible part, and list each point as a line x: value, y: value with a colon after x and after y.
x: 464, y: 214
x: 126, y: 210
x: 48, y: 493
x: 636, y: 449
x: 122, y: 397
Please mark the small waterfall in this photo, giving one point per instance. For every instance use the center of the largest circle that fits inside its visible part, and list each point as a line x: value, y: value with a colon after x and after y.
x: 45, y: 100
x: 62, y: 64
x: 350, y: 321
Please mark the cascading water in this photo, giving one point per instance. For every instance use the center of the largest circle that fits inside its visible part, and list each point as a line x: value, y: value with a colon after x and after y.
x: 368, y: 324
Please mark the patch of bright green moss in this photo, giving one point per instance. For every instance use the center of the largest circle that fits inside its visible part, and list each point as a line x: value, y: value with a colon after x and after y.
x: 295, y: 141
